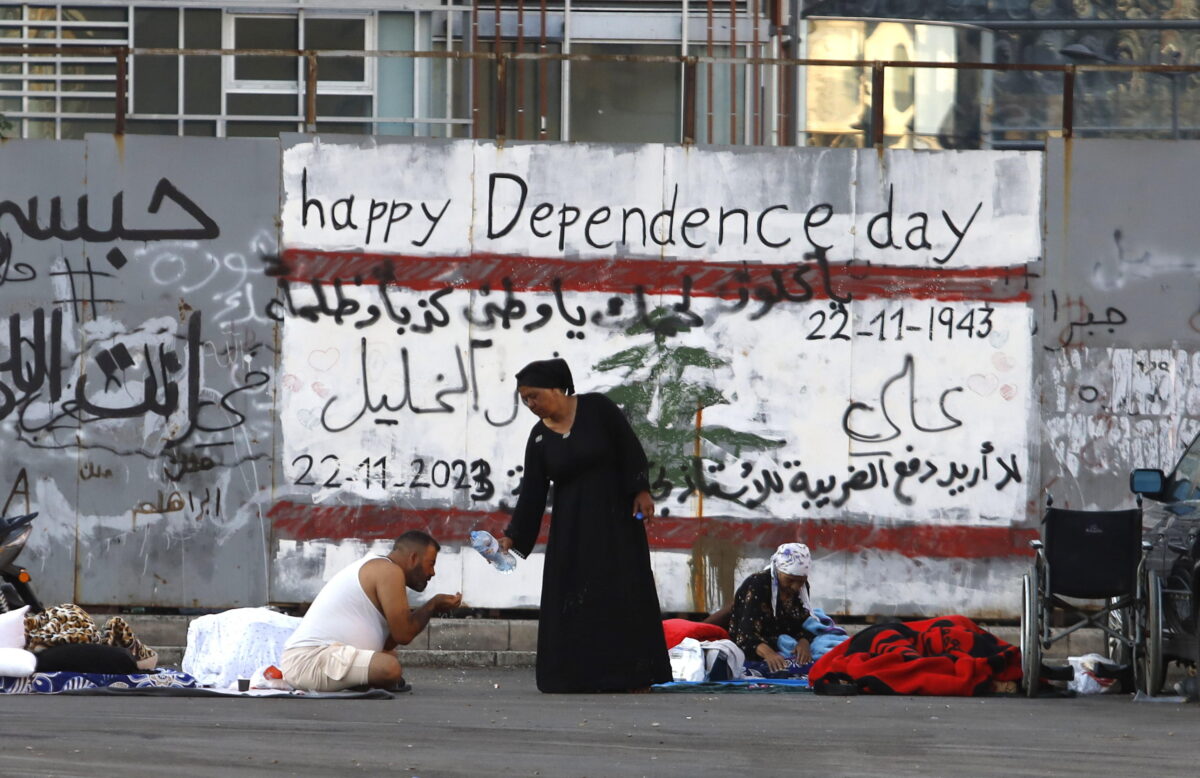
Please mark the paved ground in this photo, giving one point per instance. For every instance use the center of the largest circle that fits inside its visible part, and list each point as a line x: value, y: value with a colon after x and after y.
x: 493, y: 722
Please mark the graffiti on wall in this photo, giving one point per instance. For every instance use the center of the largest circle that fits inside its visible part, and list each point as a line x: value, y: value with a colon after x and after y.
x: 798, y: 341
x: 135, y: 368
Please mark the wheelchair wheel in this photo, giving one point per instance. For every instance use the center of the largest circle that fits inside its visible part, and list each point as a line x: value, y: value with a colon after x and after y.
x: 1031, y: 632
x: 1120, y: 621
x: 1150, y: 666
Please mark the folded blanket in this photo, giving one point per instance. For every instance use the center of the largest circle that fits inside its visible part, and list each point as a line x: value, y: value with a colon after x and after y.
x: 826, y: 634
x: 675, y: 630
x: 55, y: 683
x: 949, y: 655
x: 756, y: 668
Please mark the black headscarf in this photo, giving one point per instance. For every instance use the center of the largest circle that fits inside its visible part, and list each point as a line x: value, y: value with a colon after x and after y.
x: 547, y: 374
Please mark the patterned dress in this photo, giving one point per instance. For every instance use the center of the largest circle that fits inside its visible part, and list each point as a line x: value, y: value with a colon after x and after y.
x: 753, y: 621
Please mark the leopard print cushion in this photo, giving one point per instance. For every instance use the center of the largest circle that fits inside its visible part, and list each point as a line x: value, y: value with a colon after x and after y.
x: 68, y: 623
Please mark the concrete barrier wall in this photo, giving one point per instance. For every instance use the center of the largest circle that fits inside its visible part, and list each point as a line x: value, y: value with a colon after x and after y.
x: 234, y: 365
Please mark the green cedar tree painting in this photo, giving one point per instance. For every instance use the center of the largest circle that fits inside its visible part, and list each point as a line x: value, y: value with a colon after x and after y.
x: 661, y: 402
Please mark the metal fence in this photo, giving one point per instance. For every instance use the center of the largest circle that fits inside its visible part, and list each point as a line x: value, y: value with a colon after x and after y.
x: 491, y: 98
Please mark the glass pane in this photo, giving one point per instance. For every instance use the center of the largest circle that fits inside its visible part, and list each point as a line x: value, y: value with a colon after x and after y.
x: 202, y: 85
x: 11, y: 86
x: 89, y: 105
x: 343, y: 105
x: 265, y: 33
x: 156, y: 29
x: 39, y: 128
x: 89, y: 34
x: 103, y: 87
x: 41, y: 104
x: 720, y: 117
x: 10, y: 104
x: 263, y: 105
x: 337, y: 34
x: 201, y: 29
x: 10, y: 12
x: 397, y: 32
x: 528, y: 82
x: 837, y: 99
x: 341, y: 128
x: 77, y: 128
x: 89, y: 68
x: 91, y: 14
x: 201, y: 129
x: 155, y: 84
x: 151, y: 127
x: 258, y: 129
x: 624, y: 101
x: 10, y: 32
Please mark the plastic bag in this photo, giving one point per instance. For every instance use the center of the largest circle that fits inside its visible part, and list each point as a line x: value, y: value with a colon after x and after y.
x: 269, y: 677
x: 1087, y: 681
x: 687, y: 661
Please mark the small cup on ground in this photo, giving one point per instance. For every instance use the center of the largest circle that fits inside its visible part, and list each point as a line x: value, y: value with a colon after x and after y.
x: 243, y: 684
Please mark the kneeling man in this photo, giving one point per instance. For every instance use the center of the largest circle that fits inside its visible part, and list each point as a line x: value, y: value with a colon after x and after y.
x: 347, y: 636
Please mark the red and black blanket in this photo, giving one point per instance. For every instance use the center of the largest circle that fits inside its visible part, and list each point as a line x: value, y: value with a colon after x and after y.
x: 949, y: 655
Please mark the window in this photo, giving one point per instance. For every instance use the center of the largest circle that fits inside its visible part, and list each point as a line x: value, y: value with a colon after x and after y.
x: 264, y: 94
x: 60, y: 96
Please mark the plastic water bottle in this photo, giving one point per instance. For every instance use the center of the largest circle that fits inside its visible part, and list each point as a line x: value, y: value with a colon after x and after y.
x: 483, y: 542
x: 786, y: 645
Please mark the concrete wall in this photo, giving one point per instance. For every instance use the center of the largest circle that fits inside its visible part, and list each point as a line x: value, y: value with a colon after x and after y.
x: 220, y: 388
x: 137, y: 388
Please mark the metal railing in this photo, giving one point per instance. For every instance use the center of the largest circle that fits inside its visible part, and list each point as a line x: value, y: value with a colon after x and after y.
x: 504, y: 62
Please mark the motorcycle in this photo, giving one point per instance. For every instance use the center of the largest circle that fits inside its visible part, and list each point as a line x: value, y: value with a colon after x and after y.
x: 15, y: 588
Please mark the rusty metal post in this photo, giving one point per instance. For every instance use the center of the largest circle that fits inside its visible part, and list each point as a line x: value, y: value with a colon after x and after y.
x: 689, y: 101
x: 1068, y: 104
x: 122, y: 90
x: 310, y: 92
x: 501, y: 97
x: 877, y: 87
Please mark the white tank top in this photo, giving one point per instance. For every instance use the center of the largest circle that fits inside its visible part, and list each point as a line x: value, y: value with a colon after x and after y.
x: 342, y: 613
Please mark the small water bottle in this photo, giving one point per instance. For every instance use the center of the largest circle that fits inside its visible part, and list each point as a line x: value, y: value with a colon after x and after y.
x: 786, y: 646
x: 483, y: 542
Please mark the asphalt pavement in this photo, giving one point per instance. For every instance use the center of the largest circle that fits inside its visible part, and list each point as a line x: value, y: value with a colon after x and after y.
x: 494, y: 722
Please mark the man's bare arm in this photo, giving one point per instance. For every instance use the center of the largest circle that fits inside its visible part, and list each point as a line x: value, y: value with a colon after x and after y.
x: 405, y: 623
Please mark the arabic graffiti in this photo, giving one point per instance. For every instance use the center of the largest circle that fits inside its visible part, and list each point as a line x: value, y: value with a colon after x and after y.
x: 45, y: 388
x: 200, y: 507
x: 27, y: 221
x: 906, y: 380
x: 1086, y: 324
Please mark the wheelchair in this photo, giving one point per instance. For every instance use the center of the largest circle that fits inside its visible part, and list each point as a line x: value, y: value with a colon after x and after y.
x: 1094, y: 555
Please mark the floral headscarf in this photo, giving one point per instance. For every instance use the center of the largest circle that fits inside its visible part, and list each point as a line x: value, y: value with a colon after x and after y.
x: 790, y: 559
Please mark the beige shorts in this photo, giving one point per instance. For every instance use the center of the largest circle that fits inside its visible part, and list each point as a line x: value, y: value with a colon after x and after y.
x: 328, y: 668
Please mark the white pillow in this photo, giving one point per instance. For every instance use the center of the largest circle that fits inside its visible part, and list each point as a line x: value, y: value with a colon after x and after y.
x: 12, y: 628
x: 17, y: 662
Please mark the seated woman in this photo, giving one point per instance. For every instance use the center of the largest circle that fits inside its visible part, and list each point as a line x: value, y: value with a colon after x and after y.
x: 774, y: 603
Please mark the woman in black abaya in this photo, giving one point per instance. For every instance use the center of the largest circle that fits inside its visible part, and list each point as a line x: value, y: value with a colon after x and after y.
x: 600, y: 627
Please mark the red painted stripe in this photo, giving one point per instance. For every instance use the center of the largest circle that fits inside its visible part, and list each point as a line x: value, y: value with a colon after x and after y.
x: 297, y: 521
x: 726, y: 280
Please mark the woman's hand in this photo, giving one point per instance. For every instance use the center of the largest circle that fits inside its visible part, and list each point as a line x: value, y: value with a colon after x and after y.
x: 775, y: 661
x: 505, y: 543
x: 643, y: 503
x: 803, y: 651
